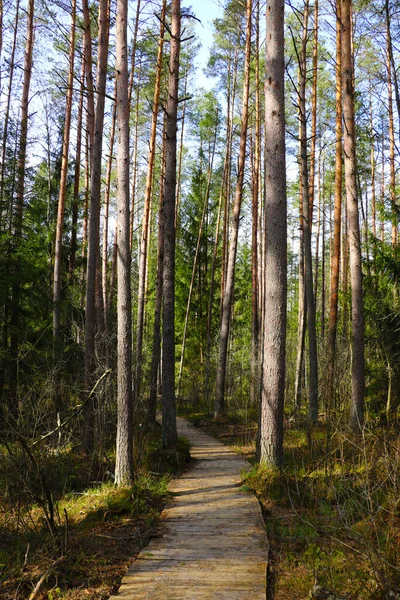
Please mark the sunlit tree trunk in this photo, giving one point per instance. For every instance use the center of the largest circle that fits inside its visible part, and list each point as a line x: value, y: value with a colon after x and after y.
x: 93, y: 254
x: 357, y: 311
x: 337, y: 220
x: 254, y: 375
x: 106, y: 211
x: 57, y: 277
x: 156, y: 349
x: 392, y: 187
x: 5, y: 209
x: 274, y: 322
x: 146, y: 211
x: 219, y: 408
x: 307, y: 220
x: 124, y: 445
x: 77, y: 175
x: 169, y: 433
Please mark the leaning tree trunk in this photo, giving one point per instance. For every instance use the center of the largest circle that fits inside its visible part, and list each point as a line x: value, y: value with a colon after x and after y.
x: 357, y: 311
x: 219, y: 407
x: 124, y: 445
x: 274, y: 323
x: 169, y: 433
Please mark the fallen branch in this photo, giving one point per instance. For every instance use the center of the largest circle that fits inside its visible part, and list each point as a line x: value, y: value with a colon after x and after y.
x: 45, y: 576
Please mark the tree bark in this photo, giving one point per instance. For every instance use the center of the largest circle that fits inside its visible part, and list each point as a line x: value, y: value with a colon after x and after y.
x: 274, y: 323
x: 219, y: 407
x: 57, y: 277
x: 124, y: 445
x: 169, y: 432
x: 337, y: 220
x: 93, y: 257
x: 146, y: 211
x: 357, y: 313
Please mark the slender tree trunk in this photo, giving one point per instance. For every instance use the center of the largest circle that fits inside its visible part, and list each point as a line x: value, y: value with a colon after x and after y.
x: 307, y: 220
x: 314, y: 106
x: 106, y: 210
x: 391, y: 57
x: 357, y: 311
x: 134, y: 49
x: 87, y: 51
x: 135, y: 156
x: 179, y: 174
x: 77, y: 174
x: 274, y: 323
x: 5, y: 209
x: 146, y: 211
x: 156, y: 352
x: 391, y: 145
x: 373, y: 167
x: 169, y: 433
x: 94, y: 220
x: 57, y: 278
x: 219, y: 408
x: 254, y: 376
x: 18, y: 212
x: 124, y: 445
x: 337, y: 220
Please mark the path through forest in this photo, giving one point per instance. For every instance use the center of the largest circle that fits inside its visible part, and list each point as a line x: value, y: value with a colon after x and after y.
x: 212, y: 543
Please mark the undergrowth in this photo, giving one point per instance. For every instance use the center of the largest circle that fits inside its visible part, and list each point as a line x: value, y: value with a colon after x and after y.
x: 333, y: 513
x: 62, y: 517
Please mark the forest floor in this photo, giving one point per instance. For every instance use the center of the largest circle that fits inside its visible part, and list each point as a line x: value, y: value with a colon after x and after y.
x: 97, y: 529
x: 333, y: 513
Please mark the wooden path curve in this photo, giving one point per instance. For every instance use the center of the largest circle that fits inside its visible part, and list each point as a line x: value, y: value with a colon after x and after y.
x: 212, y: 543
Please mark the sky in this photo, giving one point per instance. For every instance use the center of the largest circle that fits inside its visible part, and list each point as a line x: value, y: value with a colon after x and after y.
x: 206, y: 11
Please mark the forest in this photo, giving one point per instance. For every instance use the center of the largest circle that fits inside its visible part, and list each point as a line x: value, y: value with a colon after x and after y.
x: 227, y: 253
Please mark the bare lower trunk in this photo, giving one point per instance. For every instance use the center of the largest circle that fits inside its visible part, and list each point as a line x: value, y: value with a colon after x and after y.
x: 274, y: 323
x: 357, y: 313
x: 93, y: 256
x: 124, y: 444
x: 169, y: 433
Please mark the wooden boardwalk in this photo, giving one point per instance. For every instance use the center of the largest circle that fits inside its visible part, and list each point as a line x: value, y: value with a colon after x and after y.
x: 212, y: 543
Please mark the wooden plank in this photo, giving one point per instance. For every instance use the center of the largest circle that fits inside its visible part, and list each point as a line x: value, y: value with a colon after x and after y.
x: 212, y: 543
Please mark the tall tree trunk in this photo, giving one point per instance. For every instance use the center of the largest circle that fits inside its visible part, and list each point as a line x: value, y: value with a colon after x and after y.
x: 219, y: 408
x: 357, y: 311
x: 77, y: 174
x: 57, y: 278
x: 307, y: 220
x: 314, y: 106
x: 134, y: 48
x: 3, y: 209
x: 337, y: 220
x: 94, y: 221
x: 18, y: 212
x: 87, y: 51
x: 179, y: 174
x: 274, y: 323
x: 106, y: 210
x: 373, y: 165
x: 124, y: 445
x: 146, y: 211
x: 254, y: 375
x: 391, y: 145
x: 169, y: 433
x: 156, y: 350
